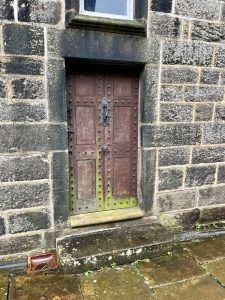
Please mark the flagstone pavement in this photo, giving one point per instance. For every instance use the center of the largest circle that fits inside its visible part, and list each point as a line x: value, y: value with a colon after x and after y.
x: 194, y: 271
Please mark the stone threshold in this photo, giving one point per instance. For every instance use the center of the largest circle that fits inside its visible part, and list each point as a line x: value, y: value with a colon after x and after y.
x: 106, y: 217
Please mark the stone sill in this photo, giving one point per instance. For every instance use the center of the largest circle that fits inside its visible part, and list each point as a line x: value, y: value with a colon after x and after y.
x: 106, y: 216
x: 130, y: 27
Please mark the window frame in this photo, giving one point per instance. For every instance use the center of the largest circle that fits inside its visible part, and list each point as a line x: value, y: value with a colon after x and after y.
x: 129, y: 16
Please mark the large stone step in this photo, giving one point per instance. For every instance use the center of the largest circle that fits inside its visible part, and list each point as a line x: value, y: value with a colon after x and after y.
x: 92, y: 250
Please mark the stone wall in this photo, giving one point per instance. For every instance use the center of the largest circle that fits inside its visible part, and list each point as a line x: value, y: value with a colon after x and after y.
x: 182, y: 136
x: 33, y: 139
x: 189, y: 130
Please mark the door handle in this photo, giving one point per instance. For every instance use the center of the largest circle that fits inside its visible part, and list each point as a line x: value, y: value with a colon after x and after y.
x: 104, y: 112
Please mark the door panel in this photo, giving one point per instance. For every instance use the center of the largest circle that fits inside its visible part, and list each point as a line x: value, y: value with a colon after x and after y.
x: 103, y: 141
x: 86, y: 170
x: 121, y: 177
x: 85, y: 125
x: 122, y: 86
x: 121, y: 124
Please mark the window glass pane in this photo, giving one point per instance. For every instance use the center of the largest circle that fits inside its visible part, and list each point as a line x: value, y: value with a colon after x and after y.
x: 116, y: 7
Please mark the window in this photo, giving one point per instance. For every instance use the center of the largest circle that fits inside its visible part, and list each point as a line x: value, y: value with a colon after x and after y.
x: 119, y: 9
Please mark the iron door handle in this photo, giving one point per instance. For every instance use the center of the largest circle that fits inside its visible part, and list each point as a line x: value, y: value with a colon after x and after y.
x: 104, y: 112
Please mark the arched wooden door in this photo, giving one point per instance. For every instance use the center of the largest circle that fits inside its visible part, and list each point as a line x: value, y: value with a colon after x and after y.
x: 103, y: 140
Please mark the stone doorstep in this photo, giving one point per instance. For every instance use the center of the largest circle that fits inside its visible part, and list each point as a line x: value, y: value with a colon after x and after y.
x: 90, y: 251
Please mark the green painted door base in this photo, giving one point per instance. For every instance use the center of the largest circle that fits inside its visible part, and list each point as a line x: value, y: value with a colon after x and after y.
x: 106, y: 216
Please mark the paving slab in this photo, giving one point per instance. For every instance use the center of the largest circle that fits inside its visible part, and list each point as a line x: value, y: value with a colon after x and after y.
x: 3, y: 285
x: 45, y: 287
x: 204, y: 288
x: 217, y: 269
x: 115, y: 284
x: 170, y: 268
x: 207, y: 250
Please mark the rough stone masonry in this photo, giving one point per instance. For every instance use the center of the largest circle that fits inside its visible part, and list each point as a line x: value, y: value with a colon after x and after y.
x: 182, y: 129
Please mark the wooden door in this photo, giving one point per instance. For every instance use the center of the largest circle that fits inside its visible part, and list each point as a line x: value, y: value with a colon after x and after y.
x: 103, y: 137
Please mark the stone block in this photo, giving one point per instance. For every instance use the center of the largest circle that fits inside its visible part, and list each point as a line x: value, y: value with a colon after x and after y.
x: 161, y: 5
x: 186, y: 29
x: 200, y: 9
x: 214, y: 134
x: 222, y: 77
x: 207, y: 250
x: 171, y: 93
x: 209, y: 76
x: 19, y: 244
x: 170, y: 179
x: 151, y: 240
x: 19, y: 168
x: 174, y: 156
x: 216, y: 270
x: 221, y: 174
x: 94, y: 45
x: 176, y: 113
x: 201, y: 155
x: 170, y: 135
x: 148, y: 178
x: 22, y: 112
x: 149, y: 93
x: 28, y: 88
x: 29, y: 221
x: 138, y: 289
x: 4, y: 285
x: 176, y: 200
x: 24, y: 196
x: 23, y: 66
x: 40, y: 11
x: 203, y: 94
x: 45, y: 286
x: 53, y: 42
x: 164, y: 26
x: 165, y: 270
x: 3, y: 88
x: 220, y: 113
x: 23, y: 39
x: 71, y: 4
x: 7, y: 12
x: 200, y: 175
x: 60, y: 177
x: 179, y: 75
x: 209, y: 32
x: 223, y: 12
x: 50, y: 237
x: 200, y: 288
x: 220, y: 57
x: 21, y: 137
x: 187, y: 53
x: 210, y: 214
x: 203, y: 112
x: 2, y: 226
x: 185, y: 217
x: 56, y: 91
x: 212, y: 196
